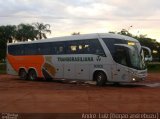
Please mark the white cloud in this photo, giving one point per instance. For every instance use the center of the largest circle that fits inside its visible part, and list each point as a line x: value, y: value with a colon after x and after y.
x: 86, y: 16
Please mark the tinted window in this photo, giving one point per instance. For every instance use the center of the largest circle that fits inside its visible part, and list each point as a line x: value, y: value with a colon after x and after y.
x: 110, y: 43
x: 43, y: 48
x: 118, y: 53
x: 16, y: 49
x: 91, y: 46
x: 30, y: 49
x: 94, y: 47
x: 121, y: 55
x: 58, y: 48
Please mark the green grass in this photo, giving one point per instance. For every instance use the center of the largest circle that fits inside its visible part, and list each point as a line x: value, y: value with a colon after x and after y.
x: 153, y: 67
x: 2, y: 68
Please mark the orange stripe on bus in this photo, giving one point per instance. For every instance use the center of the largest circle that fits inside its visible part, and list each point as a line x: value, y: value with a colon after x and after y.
x: 27, y: 62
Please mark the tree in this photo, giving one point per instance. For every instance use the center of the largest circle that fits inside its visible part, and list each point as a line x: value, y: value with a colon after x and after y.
x: 2, y: 49
x: 7, y: 34
x: 113, y: 32
x: 26, y: 32
x: 22, y: 32
x: 42, y: 29
x: 125, y: 32
x: 152, y: 44
x: 76, y: 33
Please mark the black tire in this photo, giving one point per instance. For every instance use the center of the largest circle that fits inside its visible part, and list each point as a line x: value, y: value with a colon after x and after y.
x: 32, y: 75
x: 100, y: 78
x: 116, y: 84
x: 23, y: 74
x: 49, y: 79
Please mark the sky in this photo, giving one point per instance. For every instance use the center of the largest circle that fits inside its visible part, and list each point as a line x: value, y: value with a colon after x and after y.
x: 85, y: 16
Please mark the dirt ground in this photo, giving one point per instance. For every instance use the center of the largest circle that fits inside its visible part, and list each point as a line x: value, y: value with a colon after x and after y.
x: 20, y: 96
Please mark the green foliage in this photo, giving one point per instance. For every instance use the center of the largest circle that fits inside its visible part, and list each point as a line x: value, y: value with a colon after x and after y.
x: 42, y: 29
x: 152, y: 44
x: 7, y: 33
x: 76, y: 33
x: 2, y: 53
x: 25, y: 32
x: 2, y: 68
x: 21, y: 32
x: 125, y: 32
x: 153, y: 67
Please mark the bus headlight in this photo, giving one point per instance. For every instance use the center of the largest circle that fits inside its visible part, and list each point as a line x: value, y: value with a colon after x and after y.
x: 134, y: 79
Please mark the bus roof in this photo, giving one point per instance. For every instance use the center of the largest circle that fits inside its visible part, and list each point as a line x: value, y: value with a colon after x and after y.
x: 79, y: 37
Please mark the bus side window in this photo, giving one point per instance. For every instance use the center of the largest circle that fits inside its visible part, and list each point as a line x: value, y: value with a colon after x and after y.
x: 82, y: 49
x: 46, y: 49
x: 73, y: 47
x: 93, y: 46
x: 60, y: 50
x: 38, y: 49
x: 57, y: 48
x: 12, y: 50
x: 22, y: 52
x: 30, y: 49
x: 16, y: 50
x: 53, y: 48
x: 87, y: 49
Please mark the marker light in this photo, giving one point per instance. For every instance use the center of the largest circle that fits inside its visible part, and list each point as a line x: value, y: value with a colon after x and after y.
x: 131, y: 43
x: 134, y: 79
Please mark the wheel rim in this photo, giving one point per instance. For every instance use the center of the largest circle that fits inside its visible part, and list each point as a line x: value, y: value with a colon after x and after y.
x: 32, y: 75
x: 99, y: 78
x: 22, y: 74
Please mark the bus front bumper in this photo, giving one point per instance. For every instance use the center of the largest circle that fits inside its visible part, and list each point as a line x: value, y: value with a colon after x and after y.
x: 139, y: 76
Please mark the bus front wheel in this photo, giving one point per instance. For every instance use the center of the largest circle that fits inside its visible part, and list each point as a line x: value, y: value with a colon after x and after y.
x: 22, y: 74
x: 100, y: 78
x: 32, y: 75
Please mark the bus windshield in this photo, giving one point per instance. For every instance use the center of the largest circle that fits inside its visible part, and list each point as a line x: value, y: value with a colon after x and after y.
x: 130, y: 55
x: 127, y: 53
x: 137, y: 57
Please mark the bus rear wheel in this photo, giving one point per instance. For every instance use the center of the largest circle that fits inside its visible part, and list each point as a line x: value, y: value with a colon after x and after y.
x: 100, y: 78
x: 23, y: 74
x: 32, y: 75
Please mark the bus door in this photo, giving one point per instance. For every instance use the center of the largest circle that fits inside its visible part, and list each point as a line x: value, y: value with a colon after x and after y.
x: 120, y: 70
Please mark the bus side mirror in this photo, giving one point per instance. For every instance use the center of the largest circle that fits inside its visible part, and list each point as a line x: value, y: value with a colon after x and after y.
x: 149, y: 56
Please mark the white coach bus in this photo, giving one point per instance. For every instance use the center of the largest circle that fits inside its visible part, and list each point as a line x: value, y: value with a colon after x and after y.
x: 98, y: 57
